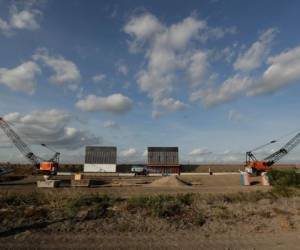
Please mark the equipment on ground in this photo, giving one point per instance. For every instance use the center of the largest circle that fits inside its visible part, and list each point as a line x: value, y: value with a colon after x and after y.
x: 256, y: 167
x: 137, y: 170
x: 47, y: 167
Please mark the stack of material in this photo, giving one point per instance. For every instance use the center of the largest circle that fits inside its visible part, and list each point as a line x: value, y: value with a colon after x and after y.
x: 245, y: 179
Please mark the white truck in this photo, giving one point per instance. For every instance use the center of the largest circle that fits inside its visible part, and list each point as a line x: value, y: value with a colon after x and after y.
x: 139, y: 170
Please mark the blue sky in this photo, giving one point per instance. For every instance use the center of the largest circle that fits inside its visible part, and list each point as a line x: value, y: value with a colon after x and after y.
x: 215, y: 78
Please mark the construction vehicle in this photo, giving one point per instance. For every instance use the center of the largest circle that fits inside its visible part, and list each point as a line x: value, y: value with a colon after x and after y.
x: 257, y: 167
x: 138, y: 170
x: 47, y: 167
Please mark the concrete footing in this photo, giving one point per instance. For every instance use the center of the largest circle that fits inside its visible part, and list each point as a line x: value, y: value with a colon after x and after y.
x: 48, y: 184
x: 81, y: 183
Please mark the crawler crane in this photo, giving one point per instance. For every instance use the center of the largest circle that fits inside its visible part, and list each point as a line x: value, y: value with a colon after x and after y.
x: 47, y: 167
x: 256, y: 167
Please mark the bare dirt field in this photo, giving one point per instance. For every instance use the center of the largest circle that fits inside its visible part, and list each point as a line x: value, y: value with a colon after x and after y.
x: 189, y: 212
x: 135, y: 186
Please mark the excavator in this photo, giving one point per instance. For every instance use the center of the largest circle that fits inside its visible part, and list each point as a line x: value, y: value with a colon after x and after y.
x: 256, y: 167
x: 47, y: 167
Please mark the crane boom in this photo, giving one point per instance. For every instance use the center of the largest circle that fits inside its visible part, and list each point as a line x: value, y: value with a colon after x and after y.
x: 19, y: 143
x: 276, y: 156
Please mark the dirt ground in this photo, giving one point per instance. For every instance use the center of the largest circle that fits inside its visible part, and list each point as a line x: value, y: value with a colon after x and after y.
x: 135, y: 186
x: 261, y: 224
x: 179, y: 240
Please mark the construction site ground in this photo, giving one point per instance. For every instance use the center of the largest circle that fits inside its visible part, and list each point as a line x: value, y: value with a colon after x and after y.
x: 259, y: 224
x: 126, y: 186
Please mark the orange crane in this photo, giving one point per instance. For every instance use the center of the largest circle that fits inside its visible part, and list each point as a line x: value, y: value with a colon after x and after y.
x: 256, y: 167
x: 47, y: 167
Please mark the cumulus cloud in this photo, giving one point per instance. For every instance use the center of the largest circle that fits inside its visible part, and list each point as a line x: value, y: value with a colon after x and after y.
x: 116, y: 103
x: 230, y: 89
x: 25, y: 19
x: 198, y: 67
x: 169, y: 49
x: 282, y: 70
x: 253, y: 57
x: 141, y: 28
x: 51, y: 127
x: 98, y: 78
x: 166, y: 54
x: 172, y: 104
x: 131, y: 152
x: 21, y: 78
x: 200, y: 152
x: 110, y: 124
x: 65, y: 71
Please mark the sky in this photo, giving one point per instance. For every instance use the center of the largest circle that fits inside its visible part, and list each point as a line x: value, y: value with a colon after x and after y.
x: 215, y: 78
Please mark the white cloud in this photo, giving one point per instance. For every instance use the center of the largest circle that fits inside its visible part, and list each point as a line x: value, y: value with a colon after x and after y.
x: 230, y: 89
x: 25, y: 19
x: 51, y: 127
x: 66, y: 71
x: 198, y: 67
x: 131, y: 152
x: 226, y: 54
x: 169, y: 49
x: 165, y: 50
x: 216, y: 33
x: 123, y: 69
x: 257, y: 53
x: 110, y: 124
x: 22, y: 78
x: 116, y: 103
x: 283, y: 69
x: 98, y: 78
x: 143, y: 26
x: 200, y: 152
x: 172, y: 104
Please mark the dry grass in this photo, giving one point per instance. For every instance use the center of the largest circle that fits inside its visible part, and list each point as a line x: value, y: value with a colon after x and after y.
x: 72, y: 211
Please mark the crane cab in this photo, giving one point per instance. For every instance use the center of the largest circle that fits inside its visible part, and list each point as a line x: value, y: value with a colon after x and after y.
x: 48, y: 167
x: 256, y: 167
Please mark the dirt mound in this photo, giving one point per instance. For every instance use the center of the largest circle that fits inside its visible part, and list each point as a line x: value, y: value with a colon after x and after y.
x: 169, y: 181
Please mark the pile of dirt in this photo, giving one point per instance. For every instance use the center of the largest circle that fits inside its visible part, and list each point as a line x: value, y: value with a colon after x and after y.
x: 169, y: 181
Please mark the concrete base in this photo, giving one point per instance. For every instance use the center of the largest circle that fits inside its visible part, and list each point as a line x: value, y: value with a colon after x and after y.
x: 48, y: 184
x: 81, y: 183
x: 265, y: 179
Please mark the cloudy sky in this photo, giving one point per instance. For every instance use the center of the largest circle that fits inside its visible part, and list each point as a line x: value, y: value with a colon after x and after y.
x: 214, y: 77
